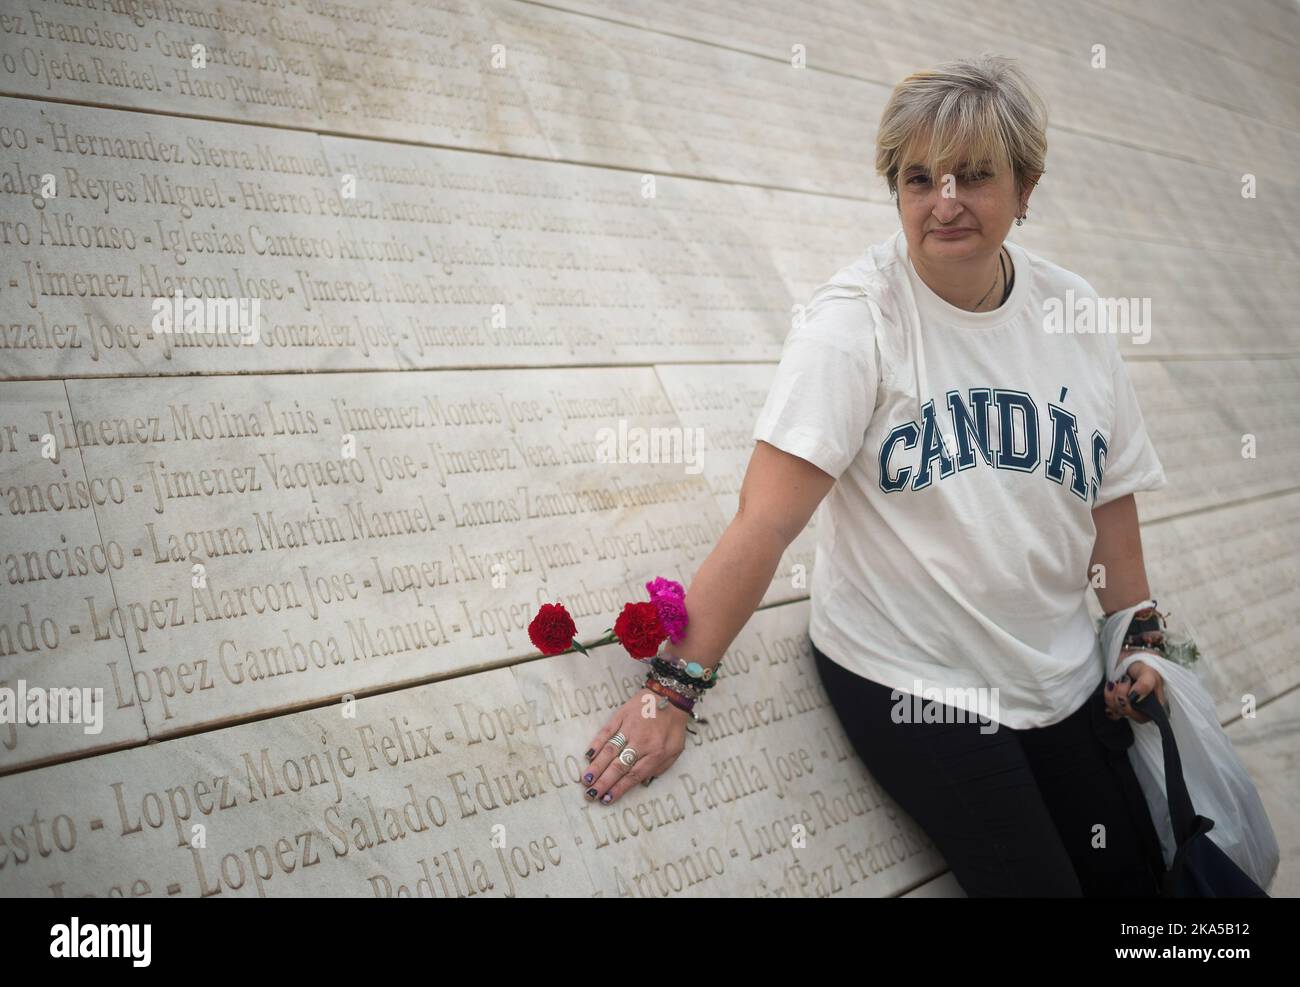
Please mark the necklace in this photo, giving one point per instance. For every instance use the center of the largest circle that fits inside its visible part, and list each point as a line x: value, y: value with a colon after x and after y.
x: 1006, y: 291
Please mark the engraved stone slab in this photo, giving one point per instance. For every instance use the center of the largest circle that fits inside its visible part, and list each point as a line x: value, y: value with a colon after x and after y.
x: 496, y: 76
x: 1046, y: 42
x: 1198, y: 205
x: 1152, y: 45
x: 502, y: 261
x: 1225, y: 430
x: 1100, y: 101
x: 1267, y: 34
x: 617, y: 95
x: 441, y: 791
x: 1201, y: 301
x: 291, y: 539
x: 767, y: 800
x: 347, y: 279
x: 55, y: 574
x: 247, y: 224
x: 238, y: 63
x: 722, y: 402
x: 799, y: 240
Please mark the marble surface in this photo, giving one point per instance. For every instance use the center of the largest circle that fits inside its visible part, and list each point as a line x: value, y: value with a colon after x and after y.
x: 58, y: 611
x: 441, y: 791
x: 470, y: 788
x: 487, y: 243
x: 527, y: 263
x: 295, y: 538
x: 144, y: 207
x: 1146, y: 49
x: 615, y: 85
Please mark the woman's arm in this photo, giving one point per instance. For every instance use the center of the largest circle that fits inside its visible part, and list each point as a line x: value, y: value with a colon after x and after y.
x: 1118, y: 550
x: 777, y: 498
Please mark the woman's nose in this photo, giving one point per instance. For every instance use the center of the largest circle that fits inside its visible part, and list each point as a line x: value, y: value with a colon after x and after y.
x: 946, y: 210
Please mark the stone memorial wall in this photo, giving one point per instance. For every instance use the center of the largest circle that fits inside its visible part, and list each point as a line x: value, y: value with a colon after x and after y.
x: 319, y: 320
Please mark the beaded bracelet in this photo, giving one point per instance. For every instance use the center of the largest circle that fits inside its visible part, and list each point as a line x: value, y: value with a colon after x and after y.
x: 691, y: 668
x: 674, y: 697
x: 1145, y: 630
x: 671, y: 692
x: 680, y: 674
x: 688, y: 691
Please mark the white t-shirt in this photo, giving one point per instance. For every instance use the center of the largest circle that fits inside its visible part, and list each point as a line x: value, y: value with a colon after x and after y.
x: 966, y: 570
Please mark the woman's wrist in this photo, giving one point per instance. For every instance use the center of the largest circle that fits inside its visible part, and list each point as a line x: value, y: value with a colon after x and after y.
x: 670, y: 696
x: 694, y: 667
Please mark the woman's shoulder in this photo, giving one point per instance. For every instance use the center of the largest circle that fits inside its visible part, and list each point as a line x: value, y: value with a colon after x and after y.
x: 844, y: 308
x: 868, y: 273
x: 1070, y: 306
x: 1050, y: 277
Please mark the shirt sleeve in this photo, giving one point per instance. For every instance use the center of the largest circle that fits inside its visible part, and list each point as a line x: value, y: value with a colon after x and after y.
x: 1131, y: 463
x: 824, y: 391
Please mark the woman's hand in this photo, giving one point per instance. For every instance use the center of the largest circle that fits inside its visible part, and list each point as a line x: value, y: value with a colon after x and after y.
x: 1140, y: 680
x: 657, y: 736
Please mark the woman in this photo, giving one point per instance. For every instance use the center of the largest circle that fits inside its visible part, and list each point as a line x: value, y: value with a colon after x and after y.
x: 977, y: 451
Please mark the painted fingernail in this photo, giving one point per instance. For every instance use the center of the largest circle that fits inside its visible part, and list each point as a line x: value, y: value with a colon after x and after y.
x: 588, y: 778
x: 591, y: 793
x: 1110, y: 686
x: 609, y: 797
x: 1136, y: 697
x: 591, y: 753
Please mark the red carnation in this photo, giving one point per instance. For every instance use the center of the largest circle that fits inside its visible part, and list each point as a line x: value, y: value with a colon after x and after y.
x: 552, y: 630
x: 639, y: 630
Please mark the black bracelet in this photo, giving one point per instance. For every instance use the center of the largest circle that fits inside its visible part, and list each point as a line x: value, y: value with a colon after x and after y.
x: 1146, y: 630
x: 680, y: 674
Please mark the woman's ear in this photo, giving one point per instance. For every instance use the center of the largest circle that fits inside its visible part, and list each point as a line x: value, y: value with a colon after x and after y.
x: 1027, y: 189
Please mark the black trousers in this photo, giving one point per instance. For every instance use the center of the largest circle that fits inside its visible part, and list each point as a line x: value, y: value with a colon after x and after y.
x: 1054, y: 811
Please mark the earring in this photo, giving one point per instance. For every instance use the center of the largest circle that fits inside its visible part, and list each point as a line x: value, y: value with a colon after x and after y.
x: 1020, y: 220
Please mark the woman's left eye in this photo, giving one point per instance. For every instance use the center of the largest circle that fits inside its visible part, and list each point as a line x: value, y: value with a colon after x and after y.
x: 978, y: 176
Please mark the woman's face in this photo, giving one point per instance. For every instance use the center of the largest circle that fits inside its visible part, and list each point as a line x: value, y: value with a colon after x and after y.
x: 979, y: 202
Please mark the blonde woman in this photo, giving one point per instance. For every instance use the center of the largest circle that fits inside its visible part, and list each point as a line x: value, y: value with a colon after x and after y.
x: 975, y: 453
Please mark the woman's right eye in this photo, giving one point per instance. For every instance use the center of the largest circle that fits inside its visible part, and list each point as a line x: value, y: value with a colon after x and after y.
x: 917, y: 178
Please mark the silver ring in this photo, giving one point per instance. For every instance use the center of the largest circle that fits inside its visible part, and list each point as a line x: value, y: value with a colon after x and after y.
x: 628, y: 757
x: 618, y: 740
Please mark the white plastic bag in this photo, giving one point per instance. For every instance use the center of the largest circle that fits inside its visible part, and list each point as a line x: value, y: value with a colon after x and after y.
x: 1217, y: 781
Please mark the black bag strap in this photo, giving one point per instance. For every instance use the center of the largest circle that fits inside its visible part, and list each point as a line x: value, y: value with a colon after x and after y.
x: 1181, y: 813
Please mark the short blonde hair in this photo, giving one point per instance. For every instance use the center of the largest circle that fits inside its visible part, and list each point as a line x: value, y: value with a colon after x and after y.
x: 977, y: 110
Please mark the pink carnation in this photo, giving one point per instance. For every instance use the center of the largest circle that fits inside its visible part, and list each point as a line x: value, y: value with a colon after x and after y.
x: 672, y: 616
x: 665, y: 587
